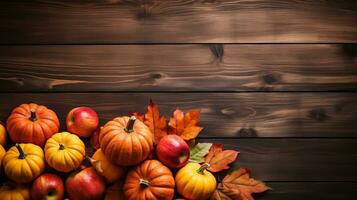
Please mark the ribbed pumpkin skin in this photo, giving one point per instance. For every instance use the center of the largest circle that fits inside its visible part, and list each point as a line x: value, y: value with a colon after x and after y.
x: 193, y: 185
x: 161, y: 182
x: 23, y: 130
x: 19, y: 192
x: 111, y: 172
x: 68, y: 158
x: 2, y: 154
x: 124, y: 148
x: 27, y: 169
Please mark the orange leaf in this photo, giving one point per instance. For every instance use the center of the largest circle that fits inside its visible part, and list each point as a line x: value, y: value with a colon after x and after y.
x: 218, y: 159
x: 156, y: 123
x: 185, y: 126
x: 238, y: 185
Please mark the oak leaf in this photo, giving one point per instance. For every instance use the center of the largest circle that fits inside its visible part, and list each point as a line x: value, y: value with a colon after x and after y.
x: 219, y: 159
x: 185, y: 125
x: 238, y: 186
x: 155, y: 122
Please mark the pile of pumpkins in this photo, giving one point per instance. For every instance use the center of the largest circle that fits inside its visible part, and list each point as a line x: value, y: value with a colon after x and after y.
x: 125, y: 157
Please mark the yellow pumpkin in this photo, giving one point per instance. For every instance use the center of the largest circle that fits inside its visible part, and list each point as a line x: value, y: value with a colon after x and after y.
x: 107, y: 169
x: 24, y: 162
x: 64, y: 151
x: 193, y: 181
x: 2, y: 153
x: 14, y: 192
x: 3, y: 135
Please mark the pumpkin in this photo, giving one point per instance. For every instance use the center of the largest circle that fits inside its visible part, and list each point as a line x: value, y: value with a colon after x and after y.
x: 64, y: 151
x: 3, y: 136
x: 115, y: 192
x: 110, y: 171
x: 193, y: 181
x: 150, y: 180
x: 2, y: 154
x: 32, y: 123
x: 14, y: 192
x: 24, y: 162
x: 126, y: 141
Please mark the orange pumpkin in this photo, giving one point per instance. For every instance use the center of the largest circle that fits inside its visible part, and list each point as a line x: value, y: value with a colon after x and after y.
x: 115, y: 192
x: 12, y: 191
x: 110, y: 171
x: 3, y: 136
x: 126, y: 141
x: 2, y: 154
x: 32, y: 123
x: 150, y: 180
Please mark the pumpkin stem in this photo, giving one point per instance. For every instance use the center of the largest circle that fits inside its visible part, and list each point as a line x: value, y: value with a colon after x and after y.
x: 130, y: 124
x: 22, y: 153
x: 61, y: 147
x: 33, y: 115
x: 144, y: 182
x: 203, y: 168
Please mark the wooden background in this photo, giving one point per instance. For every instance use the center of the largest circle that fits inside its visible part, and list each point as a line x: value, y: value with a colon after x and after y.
x: 274, y: 79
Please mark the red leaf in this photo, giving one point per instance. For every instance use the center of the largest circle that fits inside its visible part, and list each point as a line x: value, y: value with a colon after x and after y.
x: 218, y: 159
x: 183, y: 125
x: 157, y: 124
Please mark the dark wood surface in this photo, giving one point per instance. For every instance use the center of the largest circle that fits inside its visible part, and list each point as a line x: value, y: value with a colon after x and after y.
x: 223, y: 114
x: 177, y: 21
x: 275, y: 80
x: 260, y: 67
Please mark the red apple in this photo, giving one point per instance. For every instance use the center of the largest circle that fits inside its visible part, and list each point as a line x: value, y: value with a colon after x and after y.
x: 85, y: 185
x: 47, y: 186
x: 173, y: 151
x: 82, y: 121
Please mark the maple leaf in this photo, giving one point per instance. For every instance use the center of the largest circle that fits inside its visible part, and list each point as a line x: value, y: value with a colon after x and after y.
x: 183, y: 125
x: 218, y: 159
x: 238, y: 186
x: 156, y: 124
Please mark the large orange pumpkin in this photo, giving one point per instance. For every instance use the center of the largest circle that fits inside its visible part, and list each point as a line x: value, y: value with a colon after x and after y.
x: 32, y: 123
x: 126, y: 141
x: 14, y: 192
x: 110, y: 171
x: 150, y: 180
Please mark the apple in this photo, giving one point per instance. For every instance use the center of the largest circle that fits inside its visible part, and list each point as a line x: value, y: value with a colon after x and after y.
x: 47, y: 187
x: 82, y: 121
x: 173, y: 151
x: 85, y: 184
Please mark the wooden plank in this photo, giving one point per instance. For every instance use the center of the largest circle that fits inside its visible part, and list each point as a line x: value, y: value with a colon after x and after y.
x: 177, y: 21
x: 280, y: 67
x: 295, y: 159
x: 223, y: 114
x: 306, y: 190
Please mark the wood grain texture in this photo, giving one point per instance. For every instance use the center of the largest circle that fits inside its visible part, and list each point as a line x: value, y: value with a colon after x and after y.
x: 177, y: 21
x: 223, y: 114
x: 281, y: 67
x: 305, y: 190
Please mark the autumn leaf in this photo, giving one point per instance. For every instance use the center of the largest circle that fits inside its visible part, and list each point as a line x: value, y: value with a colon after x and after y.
x: 96, y: 164
x: 157, y: 124
x: 183, y: 125
x: 138, y: 116
x: 198, y: 152
x: 218, y: 159
x: 238, y: 185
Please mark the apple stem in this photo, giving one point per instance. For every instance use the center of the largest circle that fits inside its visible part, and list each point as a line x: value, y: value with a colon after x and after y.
x: 203, y: 168
x: 22, y: 153
x: 130, y: 124
x: 144, y: 182
x: 61, y: 147
x: 33, y: 115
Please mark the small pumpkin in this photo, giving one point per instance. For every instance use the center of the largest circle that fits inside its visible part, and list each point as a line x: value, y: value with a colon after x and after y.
x: 3, y: 136
x: 2, y: 154
x: 126, y: 141
x: 64, y: 151
x: 32, y: 123
x: 110, y: 171
x: 24, y: 162
x: 193, y: 181
x: 14, y: 192
x: 150, y: 180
